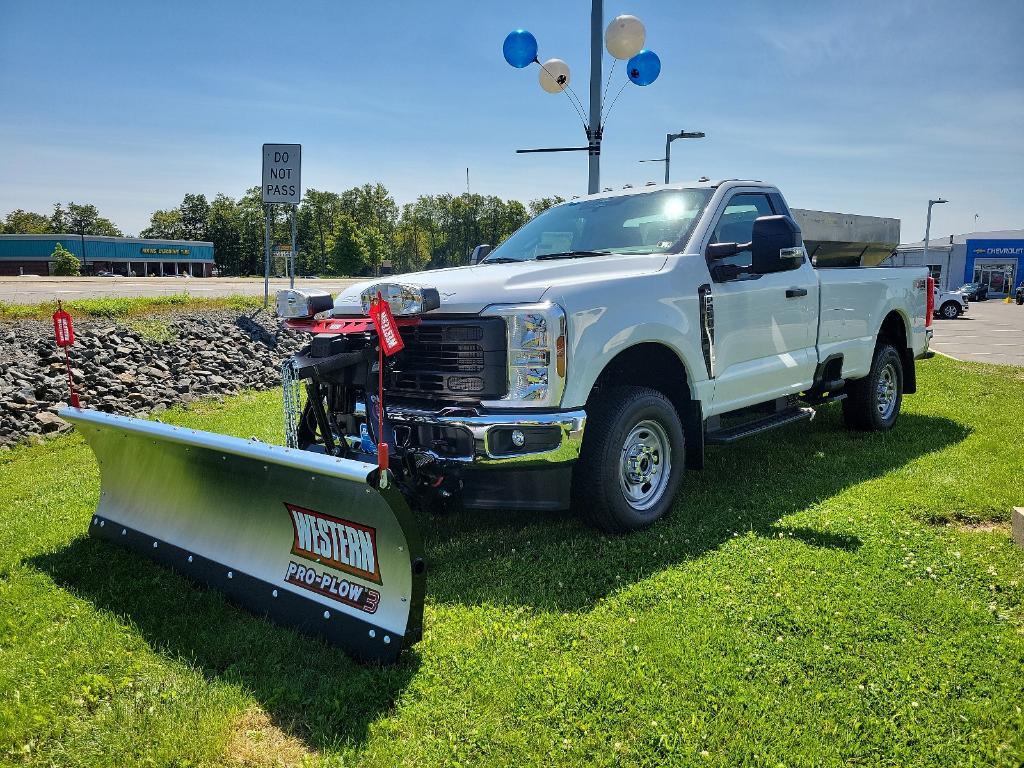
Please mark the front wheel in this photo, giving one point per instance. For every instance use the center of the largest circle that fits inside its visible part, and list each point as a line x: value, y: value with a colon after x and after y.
x: 873, y: 403
x: 632, y: 460
x: 950, y: 310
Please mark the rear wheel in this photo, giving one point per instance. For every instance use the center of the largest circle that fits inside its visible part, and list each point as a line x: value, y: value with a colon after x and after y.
x: 873, y: 403
x: 950, y: 310
x: 632, y: 460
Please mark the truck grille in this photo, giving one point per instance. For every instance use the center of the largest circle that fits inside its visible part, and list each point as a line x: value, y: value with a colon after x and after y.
x: 454, y: 361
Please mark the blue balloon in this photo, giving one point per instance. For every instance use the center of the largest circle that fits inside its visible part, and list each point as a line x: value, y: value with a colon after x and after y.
x: 520, y: 48
x: 644, y: 68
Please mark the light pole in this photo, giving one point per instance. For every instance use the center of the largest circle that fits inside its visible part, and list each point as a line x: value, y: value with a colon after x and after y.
x: 928, y: 233
x: 669, y: 138
x: 624, y: 38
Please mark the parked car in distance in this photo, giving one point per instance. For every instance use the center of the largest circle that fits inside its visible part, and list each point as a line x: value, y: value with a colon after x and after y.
x: 974, y: 291
x: 106, y: 273
x: 949, y: 305
x: 1020, y: 294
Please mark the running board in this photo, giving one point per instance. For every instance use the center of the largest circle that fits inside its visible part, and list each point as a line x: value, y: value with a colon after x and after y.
x: 750, y: 428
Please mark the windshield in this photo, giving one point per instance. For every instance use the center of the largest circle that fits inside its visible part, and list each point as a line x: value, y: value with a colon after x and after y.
x: 646, y: 223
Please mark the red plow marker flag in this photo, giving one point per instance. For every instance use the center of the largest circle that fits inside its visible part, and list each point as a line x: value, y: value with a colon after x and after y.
x: 390, y: 343
x: 64, y: 333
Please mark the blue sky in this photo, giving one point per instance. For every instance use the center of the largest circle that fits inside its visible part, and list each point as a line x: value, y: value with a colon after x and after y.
x: 864, y: 107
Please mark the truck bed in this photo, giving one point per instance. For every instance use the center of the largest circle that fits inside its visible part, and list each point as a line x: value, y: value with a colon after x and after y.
x: 854, y: 302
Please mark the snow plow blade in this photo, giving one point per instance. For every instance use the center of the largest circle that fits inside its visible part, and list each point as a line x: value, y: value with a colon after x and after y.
x: 308, y: 540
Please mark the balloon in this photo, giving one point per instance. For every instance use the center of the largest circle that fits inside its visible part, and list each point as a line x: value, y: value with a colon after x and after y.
x: 554, y: 75
x: 644, y: 68
x: 520, y: 48
x: 625, y: 36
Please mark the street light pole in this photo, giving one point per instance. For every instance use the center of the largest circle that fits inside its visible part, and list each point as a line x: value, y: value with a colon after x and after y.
x: 594, y: 129
x: 669, y: 138
x: 928, y: 232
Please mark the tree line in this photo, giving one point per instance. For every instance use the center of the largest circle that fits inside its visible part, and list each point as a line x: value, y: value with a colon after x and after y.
x: 73, y: 219
x: 354, y: 232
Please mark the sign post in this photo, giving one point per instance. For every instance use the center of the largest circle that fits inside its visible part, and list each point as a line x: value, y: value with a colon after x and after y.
x: 294, y: 257
x: 282, y: 183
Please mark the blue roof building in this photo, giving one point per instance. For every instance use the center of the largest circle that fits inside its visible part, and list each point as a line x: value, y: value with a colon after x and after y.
x: 32, y: 255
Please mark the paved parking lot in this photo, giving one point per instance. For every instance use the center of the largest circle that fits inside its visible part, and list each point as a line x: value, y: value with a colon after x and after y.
x: 33, y: 290
x: 990, y: 332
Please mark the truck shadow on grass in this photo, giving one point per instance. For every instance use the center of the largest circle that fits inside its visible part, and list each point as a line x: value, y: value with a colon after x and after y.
x: 556, y: 562
x: 551, y: 562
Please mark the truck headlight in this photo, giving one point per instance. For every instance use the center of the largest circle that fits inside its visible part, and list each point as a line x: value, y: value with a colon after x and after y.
x: 536, y: 354
x: 401, y: 298
x: 293, y: 304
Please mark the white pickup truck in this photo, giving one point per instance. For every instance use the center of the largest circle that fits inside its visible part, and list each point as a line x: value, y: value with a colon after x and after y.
x: 587, y: 360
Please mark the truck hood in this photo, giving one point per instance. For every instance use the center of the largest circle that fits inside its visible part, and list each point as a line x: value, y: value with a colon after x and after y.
x: 468, y: 290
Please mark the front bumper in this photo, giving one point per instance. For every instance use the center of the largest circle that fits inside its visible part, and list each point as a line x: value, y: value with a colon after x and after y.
x: 557, y: 436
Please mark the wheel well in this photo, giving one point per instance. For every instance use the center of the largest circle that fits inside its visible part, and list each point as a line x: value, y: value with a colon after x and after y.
x: 656, y: 366
x: 894, y: 331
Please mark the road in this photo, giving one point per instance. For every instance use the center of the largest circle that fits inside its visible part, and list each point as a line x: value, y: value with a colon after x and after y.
x: 990, y: 332
x: 33, y: 290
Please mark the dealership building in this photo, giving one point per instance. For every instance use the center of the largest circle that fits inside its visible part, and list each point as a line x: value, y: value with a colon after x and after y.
x: 33, y: 255
x: 994, y: 259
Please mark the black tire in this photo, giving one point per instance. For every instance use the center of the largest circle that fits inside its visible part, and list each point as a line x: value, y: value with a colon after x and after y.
x: 866, y: 408
x: 638, y: 420
x: 950, y: 310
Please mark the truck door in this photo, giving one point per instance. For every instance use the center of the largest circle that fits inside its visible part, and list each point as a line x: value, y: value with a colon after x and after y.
x: 766, y: 326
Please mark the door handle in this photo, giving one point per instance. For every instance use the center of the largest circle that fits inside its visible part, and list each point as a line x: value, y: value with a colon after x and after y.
x: 792, y: 293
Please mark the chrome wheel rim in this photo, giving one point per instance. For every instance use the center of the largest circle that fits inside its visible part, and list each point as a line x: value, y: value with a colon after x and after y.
x: 950, y: 311
x: 885, y: 393
x: 645, y: 463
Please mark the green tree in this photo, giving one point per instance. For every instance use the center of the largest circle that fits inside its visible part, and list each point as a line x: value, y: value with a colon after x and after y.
x: 223, y: 229
x: 377, y: 248
x: 411, y: 248
x: 59, y: 220
x: 164, y: 225
x: 541, y: 204
x: 348, y: 253
x: 194, y: 212
x: 317, y: 227
x: 250, y: 232
x: 84, y: 219
x: 19, y: 222
x: 65, y: 263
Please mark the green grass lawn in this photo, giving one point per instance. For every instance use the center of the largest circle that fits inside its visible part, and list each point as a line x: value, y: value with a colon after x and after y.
x: 816, y: 598
x: 121, y: 308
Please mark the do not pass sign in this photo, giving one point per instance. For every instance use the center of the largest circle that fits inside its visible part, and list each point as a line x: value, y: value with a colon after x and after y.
x: 282, y: 173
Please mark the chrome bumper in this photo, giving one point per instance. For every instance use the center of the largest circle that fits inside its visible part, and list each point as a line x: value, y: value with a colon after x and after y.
x: 482, y: 428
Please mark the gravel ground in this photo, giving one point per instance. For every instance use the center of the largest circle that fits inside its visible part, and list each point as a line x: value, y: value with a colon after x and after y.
x: 134, y: 367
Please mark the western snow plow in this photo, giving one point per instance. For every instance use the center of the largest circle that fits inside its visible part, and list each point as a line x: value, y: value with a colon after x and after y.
x: 309, y: 540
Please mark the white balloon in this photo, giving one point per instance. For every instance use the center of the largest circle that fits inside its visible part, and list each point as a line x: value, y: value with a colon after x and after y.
x: 625, y: 36
x: 554, y: 75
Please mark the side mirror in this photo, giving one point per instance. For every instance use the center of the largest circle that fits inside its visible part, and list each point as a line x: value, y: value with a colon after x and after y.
x: 776, y: 245
x: 479, y: 252
x: 722, y: 250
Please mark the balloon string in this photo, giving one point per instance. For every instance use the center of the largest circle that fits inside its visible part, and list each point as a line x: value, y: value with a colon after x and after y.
x: 608, y: 82
x: 613, y: 102
x: 567, y: 89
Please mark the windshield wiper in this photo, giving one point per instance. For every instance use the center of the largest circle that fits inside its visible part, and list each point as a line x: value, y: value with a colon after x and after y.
x: 500, y: 260
x: 570, y: 255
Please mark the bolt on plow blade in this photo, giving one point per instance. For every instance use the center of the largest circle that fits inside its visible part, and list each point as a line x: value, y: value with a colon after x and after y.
x: 306, y: 539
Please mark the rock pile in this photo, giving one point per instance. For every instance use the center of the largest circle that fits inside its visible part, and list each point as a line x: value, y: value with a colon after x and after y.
x: 134, y: 368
